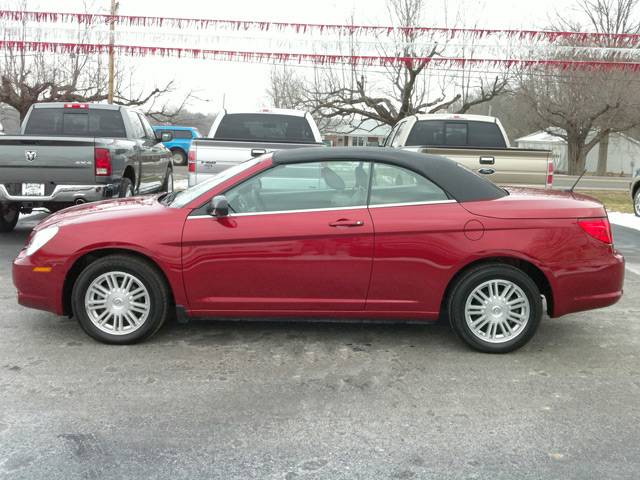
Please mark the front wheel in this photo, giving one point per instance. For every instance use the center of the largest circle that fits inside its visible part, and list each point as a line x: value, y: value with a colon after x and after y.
x: 9, y: 215
x: 495, y: 308
x: 126, y: 188
x: 120, y: 299
x: 636, y: 202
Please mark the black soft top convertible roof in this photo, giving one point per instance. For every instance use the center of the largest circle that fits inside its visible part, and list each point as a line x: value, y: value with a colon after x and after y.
x: 460, y: 183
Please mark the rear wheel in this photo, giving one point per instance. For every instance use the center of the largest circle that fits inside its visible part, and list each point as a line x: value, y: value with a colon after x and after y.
x: 178, y: 157
x: 126, y: 188
x: 9, y: 215
x: 636, y: 202
x: 495, y: 308
x: 120, y: 299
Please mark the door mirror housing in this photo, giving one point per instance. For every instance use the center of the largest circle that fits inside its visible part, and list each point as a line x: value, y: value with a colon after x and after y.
x: 219, y: 206
x: 164, y: 136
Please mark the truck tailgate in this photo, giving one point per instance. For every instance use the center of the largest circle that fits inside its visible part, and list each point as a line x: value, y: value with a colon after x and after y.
x: 508, y: 166
x: 45, y: 160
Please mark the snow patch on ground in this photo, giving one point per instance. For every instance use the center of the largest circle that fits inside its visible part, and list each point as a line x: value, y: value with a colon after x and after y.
x: 628, y: 220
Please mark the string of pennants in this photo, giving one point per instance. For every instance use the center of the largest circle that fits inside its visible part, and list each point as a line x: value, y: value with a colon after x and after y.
x: 503, y: 48
x: 310, y: 58
x: 245, y: 25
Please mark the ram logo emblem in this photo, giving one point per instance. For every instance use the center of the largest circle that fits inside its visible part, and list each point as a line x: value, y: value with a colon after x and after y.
x: 30, y: 155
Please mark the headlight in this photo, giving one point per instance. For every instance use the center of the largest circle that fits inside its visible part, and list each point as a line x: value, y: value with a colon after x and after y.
x: 40, y: 239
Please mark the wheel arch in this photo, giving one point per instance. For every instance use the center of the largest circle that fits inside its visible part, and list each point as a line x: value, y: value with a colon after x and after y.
x: 534, y: 272
x: 178, y: 147
x: 85, y: 260
x: 130, y: 173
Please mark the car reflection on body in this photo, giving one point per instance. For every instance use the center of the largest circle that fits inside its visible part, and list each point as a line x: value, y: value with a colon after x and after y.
x: 327, y: 233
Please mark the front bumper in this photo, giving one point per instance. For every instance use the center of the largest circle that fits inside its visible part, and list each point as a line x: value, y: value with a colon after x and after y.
x: 64, y: 194
x: 39, y: 290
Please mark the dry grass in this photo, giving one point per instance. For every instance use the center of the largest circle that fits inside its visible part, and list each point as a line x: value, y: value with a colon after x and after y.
x: 614, y: 200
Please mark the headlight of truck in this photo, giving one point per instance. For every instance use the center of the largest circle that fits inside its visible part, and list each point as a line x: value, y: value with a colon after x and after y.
x: 40, y: 239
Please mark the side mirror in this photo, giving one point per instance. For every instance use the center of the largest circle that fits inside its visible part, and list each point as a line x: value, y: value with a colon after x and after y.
x: 219, y: 206
x: 163, y: 136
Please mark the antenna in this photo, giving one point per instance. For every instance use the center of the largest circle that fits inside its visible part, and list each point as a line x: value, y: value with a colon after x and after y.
x: 576, y: 182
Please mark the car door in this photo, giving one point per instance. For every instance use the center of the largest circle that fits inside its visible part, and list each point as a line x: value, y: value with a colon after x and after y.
x: 418, y: 238
x: 299, y: 238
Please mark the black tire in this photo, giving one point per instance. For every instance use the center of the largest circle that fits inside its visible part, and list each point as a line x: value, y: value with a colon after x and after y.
x: 144, y: 272
x: 9, y: 216
x: 126, y: 186
x: 636, y: 202
x: 167, y: 185
x: 178, y: 157
x: 476, y: 277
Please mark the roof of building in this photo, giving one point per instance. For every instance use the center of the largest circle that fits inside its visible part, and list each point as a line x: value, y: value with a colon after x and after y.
x: 459, y: 182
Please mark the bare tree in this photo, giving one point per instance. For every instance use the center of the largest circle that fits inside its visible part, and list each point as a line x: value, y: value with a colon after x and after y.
x: 585, y: 107
x: 286, y: 88
x: 355, y: 94
x: 30, y: 77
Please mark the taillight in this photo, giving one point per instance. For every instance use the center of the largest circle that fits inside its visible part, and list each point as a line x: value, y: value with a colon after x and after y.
x: 192, y: 160
x: 102, y: 162
x: 597, y: 228
x: 549, y: 182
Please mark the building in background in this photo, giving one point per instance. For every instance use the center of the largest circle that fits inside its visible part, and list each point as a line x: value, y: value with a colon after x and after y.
x: 623, y: 155
x: 368, y: 133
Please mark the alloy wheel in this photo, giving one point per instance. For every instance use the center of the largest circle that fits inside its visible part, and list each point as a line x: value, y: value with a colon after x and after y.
x: 117, y: 303
x: 497, y: 311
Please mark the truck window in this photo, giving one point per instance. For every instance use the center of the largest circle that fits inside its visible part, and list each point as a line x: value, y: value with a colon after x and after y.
x: 426, y: 132
x: 440, y: 133
x: 137, y: 130
x: 484, y: 134
x: 182, y: 134
x: 402, y: 127
x: 67, y: 122
x: 455, y: 134
x: 260, y: 127
x: 148, y: 131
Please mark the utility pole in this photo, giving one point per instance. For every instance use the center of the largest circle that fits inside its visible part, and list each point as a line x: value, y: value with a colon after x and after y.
x: 112, y: 29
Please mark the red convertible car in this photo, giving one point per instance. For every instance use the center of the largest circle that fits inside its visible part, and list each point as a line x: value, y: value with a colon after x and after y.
x: 327, y: 233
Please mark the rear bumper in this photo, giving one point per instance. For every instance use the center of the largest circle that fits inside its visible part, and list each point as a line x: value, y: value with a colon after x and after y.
x: 39, y: 290
x: 591, y: 287
x: 65, y: 194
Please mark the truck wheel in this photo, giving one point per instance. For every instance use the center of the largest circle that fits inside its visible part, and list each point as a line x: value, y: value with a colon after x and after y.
x: 126, y: 188
x: 167, y: 185
x: 495, y: 308
x: 8, y: 218
x: 636, y: 203
x: 178, y: 157
x: 120, y: 299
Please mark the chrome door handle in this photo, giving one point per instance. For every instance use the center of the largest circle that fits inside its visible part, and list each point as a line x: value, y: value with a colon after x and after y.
x: 487, y: 171
x: 344, y: 222
x: 487, y: 160
x: 256, y: 152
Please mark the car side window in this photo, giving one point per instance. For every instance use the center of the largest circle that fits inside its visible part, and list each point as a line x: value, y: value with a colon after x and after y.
x: 148, y: 131
x: 137, y: 130
x: 303, y: 186
x: 396, y: 185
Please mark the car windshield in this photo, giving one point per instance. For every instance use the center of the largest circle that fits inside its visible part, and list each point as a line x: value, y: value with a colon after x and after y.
x: 180, y: 199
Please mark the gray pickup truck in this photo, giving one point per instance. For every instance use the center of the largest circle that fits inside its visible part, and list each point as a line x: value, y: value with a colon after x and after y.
x: 72, y: 153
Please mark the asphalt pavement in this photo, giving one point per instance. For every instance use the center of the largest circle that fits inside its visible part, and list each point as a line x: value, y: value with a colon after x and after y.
x: 223, y: 400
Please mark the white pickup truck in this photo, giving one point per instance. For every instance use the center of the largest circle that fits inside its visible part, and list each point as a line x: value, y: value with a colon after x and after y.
x: 477, y: 142
x: 240, y: 136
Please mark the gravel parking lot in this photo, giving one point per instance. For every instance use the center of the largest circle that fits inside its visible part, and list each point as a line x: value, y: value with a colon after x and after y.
x: 309, y: 401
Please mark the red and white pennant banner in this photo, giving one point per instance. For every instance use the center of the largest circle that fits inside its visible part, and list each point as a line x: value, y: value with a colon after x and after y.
x: 310, y: 58
x: 243, y: 25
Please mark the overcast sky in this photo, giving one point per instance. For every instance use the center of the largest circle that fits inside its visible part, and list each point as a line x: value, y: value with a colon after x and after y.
x: 244, y: 85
